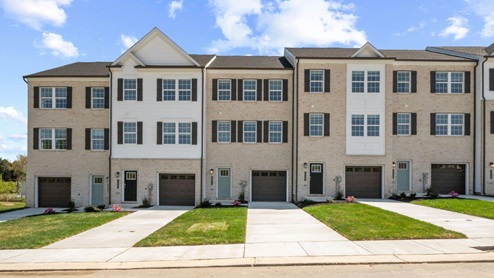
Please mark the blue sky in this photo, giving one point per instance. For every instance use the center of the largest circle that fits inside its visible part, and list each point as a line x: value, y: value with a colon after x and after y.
x: 43, y: 34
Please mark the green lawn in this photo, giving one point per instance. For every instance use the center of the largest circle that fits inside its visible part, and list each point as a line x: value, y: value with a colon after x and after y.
x: 362, y: 222
x: 202, y: 226
x: 11, y: 206
x: 466, y: 206
x: 41, y: 230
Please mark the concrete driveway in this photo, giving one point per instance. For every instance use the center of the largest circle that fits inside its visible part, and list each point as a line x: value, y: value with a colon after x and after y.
x: 23, y: 213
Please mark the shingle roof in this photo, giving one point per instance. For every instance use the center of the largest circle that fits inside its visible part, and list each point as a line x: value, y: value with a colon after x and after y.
x: 250, y: 62
x: 474, y: 50
x: 203, y: 60
x: 79, y: 69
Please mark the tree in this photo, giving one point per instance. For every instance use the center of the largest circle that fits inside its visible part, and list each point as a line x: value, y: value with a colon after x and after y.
x: 5, y: 169
x: 18, y: 168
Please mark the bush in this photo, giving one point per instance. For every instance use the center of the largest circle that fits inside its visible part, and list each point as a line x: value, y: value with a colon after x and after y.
x: 145, y: 202
x: 236, y: 203
x: 89, y: 209
x: 8, y: 187
x: 204, y: 204
x: 116, y: 208
x: 431, y: 192
x: 339, y: 195
x: 403, y: 194
x: 241, y: 197
x: 413, y: 194
x: 101, y: 207
x: 350, y: 199
x: 49, y: 211
x: 218, y: 204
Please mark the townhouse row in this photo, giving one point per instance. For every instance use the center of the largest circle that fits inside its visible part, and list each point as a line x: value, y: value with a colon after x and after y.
x: 177, y: 129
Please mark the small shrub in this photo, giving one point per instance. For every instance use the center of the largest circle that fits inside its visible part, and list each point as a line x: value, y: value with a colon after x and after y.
x: 218, y: 204
x: 116, y: 208
x: 89, y: 209
x: 204, y: 204
x: 431, y: 192
x: 236, y: 203
x: 413, y: 194
x: 308, y: 202
x: 350, y: 199
x: 145, y: 202
x: 403, y: 194
x: 454, y: 194
x: 49, y: 211
x: 339, y: 195
x: 241, y: 197
x: 101, y: 207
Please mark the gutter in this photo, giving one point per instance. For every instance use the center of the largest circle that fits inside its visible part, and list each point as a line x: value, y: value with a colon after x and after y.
x: 201, y: 190
x: 483, y: 129
x: 475, y: 126
x: 110, y: 135
x: 294, y: 126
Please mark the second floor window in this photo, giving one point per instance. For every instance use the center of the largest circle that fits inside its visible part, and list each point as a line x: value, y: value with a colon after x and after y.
x: 357, y: 125
x: 130, y: 132
x: 275, y: 90
x: 449, y: 124
x: 449, y: 82
x: 53, y: 97
x: 53, y: 139
x: 316, y: 81
x: 130, y: 89
x: 97, y: 139
x: 174, y: 133
x: 366, y: 81
x: 250, y: 90
x: 250, y: 132
x: 403, y: 123
x: 224, y: 129
x: 275, y: 132
x: 316, y: 125
x: 184, y: 133
x: 170, y: 92
x: 363, y: 125
x: 403, y: 81
x: 98, y: 98
x: 224, y: 90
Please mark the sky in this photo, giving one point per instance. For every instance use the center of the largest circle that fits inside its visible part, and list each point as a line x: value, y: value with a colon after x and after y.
x: 42, y: 34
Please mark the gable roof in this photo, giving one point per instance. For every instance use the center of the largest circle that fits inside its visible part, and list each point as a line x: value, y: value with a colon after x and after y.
x: 78, y: 69
x: 368, y: 50
x: 250, y: 62
x: 202, y: 59
x: 472, y: 50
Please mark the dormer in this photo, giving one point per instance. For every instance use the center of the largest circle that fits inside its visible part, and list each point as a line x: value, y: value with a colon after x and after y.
x: 368, y: 51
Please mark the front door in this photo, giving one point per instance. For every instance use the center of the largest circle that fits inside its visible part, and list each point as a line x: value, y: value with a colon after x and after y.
x: 130, y: 186
x: 403, y: 176
x: 316, y: 178
x: 224, y: 183
x: 97, y: 190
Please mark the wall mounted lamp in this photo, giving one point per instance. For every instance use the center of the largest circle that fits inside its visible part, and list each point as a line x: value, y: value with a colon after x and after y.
x: 394, y: 164
x: 117, y: 174
x: 305, y: 165
x: 491, y: 164
x: 211, y: 171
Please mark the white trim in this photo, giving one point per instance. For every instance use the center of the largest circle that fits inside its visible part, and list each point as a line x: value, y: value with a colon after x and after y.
x: 158, y: 189
x: 370, y: 47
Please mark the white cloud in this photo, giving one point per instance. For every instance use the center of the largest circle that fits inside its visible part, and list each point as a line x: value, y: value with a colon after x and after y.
x: 458, y: 28
x: 58, y: 46
x: 127, y: 40
x: 268, y: 27
x: 37, y: 13
x: 10, y: 113
x: 418, y: 27
x: 483, y: 8
x: 175, y: 6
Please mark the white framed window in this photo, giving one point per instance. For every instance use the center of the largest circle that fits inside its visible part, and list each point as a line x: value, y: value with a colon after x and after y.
x: 97, y: 139
x: 366, y: 81
x: 184, y: 133
x: 403, y: 124
x: 177, y: 89
x: 275, y: 90
x: 224, y: 172
x: 169, y: 133
x: 373, y: 79
x: 358, y: 81
x: 169, y: 89
x: 403, y: 81
x: 316, y: 81
x: 224, y: 90
x: 130, y: 132
x: 53, y: 97
x: 131, y: 176
x: 450, y: 124
x: 316, y: 168
x: 184, y: 90
x: 449, y: 82
x: 53, y: 138
x: 177, y: 133
x: 373, y: 123
x: 250, y: 132
x: 224, y: 131
x: 250, y: 90
x: 275, y: 132
x: 402, y: 165
x: 130, y: 89
x: 316, y: 122
x: 358, y: 125
x: 98, y: 98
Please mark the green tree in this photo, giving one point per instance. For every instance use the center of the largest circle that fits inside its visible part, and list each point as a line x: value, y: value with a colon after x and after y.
x: 18, y: 168
x: 5, y: 169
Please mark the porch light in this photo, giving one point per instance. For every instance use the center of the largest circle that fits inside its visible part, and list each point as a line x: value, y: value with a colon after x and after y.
x: 305, y: 165
x: 394, y: 164
x: 491, y: 164
x: 117, y: 174
x: 211, y: 171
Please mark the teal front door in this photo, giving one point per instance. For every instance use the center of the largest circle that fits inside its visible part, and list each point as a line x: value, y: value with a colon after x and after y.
x: 403, y: 176
x: 97, y: 190
x: 224, y: 183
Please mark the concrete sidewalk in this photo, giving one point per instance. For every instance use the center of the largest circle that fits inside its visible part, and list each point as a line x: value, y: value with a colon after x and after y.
x: 16, y: 214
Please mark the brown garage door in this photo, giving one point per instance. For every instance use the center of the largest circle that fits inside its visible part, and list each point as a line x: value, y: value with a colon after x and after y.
x: 363, y: 181
x: 53, y: 192
x: 448, y: 177
x: 269, y: 186
x: 177, y: 189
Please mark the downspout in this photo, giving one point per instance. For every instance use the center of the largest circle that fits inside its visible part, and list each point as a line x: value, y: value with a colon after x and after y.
x: 295, y: 128
x: 483, y: 129
x: 110, y: 135
x: 474, y: 126
x: 202, y: 134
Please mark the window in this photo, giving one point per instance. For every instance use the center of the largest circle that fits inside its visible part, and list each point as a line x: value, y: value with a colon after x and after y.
x: 358, y: 80
x: 357, y: 125
x: 372, y: 125
x: 250, y: 132
x: 98, y: 98
x: 316, y: 81
x: 168, y: 89
x: 53, y: 139
x: 449, y: 82
x: 275, y: 132
x: 403, y: 81
x: 373, y: 79
x: 169, y: 133
x: 131, y: 176
x: 184, y: 89
x: 315, y: 125
x: 250, y: 90
x: 315, y: 168
x: 184, y: 133
x: 224, y: 128
x: 130, y: 89
x: 97, y: 139
x: 177, y: 133
x: 54, y: 97
x: 224, y: 172
x: 275, y: 90
x: 403, y: 123
x: 359, y: 84
x: 224, y: 90
x: 130, y: 133
x: 449, y: 124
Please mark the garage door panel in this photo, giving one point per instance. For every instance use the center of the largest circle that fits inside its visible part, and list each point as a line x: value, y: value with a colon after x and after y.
x: 448, y: 177
x: 363, y: 182
x: 269, y: 186
x: 54, y: 192
x: 177, y: 190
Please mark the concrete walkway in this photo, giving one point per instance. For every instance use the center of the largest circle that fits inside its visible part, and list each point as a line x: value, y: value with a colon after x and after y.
x: 22, y: 213
x: 471, y: 226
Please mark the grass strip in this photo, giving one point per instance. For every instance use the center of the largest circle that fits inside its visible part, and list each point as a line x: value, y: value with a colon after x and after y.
x: 467, y: 206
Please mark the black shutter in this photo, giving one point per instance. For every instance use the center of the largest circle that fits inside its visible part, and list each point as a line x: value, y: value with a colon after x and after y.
x: 139, y: 133
x: 491, y: 80
x: 69, y: 138
x: 327, y: 81
x: 120, y: 90
x: 240, y: 138
x: 285, y: 131
x: 36, y: 97
x: 194, y: 90
x: 88, y: 138
x: 88, y: 97
x: 285, y: 89
x: 433, y: 83
x: 326, y: 124
x: 107, y: 97
x: 492, y: 122
x: 240, y: 90
x: 233, y: 131
x: 215, y: 132
x: 259, y: 90
x: 69, y: 97
x: 433, y: 123
x: 414, y: 123
x: 194, y: 133
x: 307, y: 80
x: 215, y: 89
x: 266, y: 89
x: 159, y: 133
x: 259, y: 131
x: 306, y: 124
x: 467, y: 82
x: 414, y: 82
x: 395, y: 123
x: 120, y: 133
x: 467, y: 123
x: 266, y: 131
x: 139, y: 89
x: 159, y: 89
x: 234, y: 89
x: 107, y: 138
x: 395, y: 82
x: 35, y: 138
